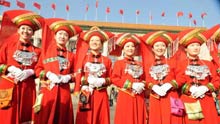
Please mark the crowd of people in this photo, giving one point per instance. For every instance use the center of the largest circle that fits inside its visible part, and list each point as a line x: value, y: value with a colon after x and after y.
x: 166, y: 68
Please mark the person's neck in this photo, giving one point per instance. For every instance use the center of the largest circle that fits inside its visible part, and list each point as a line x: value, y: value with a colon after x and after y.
x: 24, y: 41
x: 192, y: 57
x: 95, y: 52
x: 61, y: 46
x: 128, y: 57
x: 157, y: 57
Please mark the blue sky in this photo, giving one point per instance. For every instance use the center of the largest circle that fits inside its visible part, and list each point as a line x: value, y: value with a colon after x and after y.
x: 155, y: 7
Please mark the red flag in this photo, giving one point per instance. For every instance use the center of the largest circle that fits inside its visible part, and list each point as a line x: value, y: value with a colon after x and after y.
x: 163, y: 14
x: 190, y: 15
x: 108, y: 10
x: 194, y: 22
x: 87, y: 7
x: 20, y: 4
x: 5, y: 3
x: 96, y: 3
x: 67, y: 8
x: 203, y: 15
x: 37, y: 5
x: 121, y: 11
x: 137, y: 12
x: 180, y: 13
x: 53, y: 6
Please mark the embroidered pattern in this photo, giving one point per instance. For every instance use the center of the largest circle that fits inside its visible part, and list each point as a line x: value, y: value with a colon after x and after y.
x: 95, y: 69
x: 159, y: 72
x: 25, y: 58
x: 134, y: 70
x: 199, y: 72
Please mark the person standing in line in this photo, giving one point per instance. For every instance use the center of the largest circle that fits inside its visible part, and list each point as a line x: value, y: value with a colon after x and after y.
x: 213, y: 39
x: 18, y: 58
x: 128, y: 76
x: 93, y: 71
x: 55, y: 70
x: 198, y: 79
x: 160, y: 77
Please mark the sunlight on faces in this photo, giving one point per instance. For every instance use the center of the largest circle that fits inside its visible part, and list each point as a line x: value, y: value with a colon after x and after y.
x: 61, y: 37
x: 129, y: 49
x: 193, y: 49
x: 159, y: 48
x: 95, y: 43
x: 25, y: 32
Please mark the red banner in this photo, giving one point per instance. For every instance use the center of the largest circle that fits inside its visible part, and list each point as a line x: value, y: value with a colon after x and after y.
x: 5, y: 3
x: 96, y: 3
x: 53, y: 6
x: 194, y: 22
x: 137, y: 12
x: 37, y: 5
x: 67, y: 7
x: 203, y: 15
x: 180, y: 13
x: 190, y: 15
x: 87, y: 7
x: 20, y: 4
x: 121, y: 11
x: 163, y: 14
x: 108, y: 10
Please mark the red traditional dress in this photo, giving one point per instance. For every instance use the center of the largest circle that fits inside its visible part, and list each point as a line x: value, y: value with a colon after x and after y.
x: 213, y: 40
x: 197, y: 73
x: 93, y: 106
x: 22, y: 56
x: 131, y: 106
x: 56, y: 105
x: 99, y: 107
x: 158, y: 72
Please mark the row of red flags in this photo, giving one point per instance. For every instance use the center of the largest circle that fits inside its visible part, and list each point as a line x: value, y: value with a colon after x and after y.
x: 121, y: 11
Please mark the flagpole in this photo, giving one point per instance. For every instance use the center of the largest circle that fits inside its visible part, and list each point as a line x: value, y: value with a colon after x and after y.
x: 54, y: 14
x: 96, y: 14
x: 85, y: 18
x: 136, y: 19
x: 106, y: 17
x: 177, y: 21
x: 122, y: 18
x: 163, y: 19
x: 150, y: 18
x: 203, y: 23
x: 67, y: 16
x: 190, y: 24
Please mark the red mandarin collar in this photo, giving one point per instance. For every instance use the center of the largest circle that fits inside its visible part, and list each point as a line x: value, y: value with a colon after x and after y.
x: 159, y: 61
x: 27, y: 44
x: 63, y: 49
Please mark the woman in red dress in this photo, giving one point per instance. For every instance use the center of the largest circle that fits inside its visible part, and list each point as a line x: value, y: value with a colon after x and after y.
x: 160, y: 77
x: 128, y: 76
x: 55, y: 69
x: 93, y: 78
x: 18, y: 58
x: 198, y: 79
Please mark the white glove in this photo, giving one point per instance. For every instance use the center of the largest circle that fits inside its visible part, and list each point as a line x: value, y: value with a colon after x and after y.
x: 14, y: 70
x: 193, y: 89
x: 138, y: 87
x: 53, y: 77
x: 166, y: 87
x: 99, y: 82
x: 91, y: 80
x: 87, y: 88
x: 65, y: 78
x: 201, y: 91
x: 24, y: 74
x: 158, y: 90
